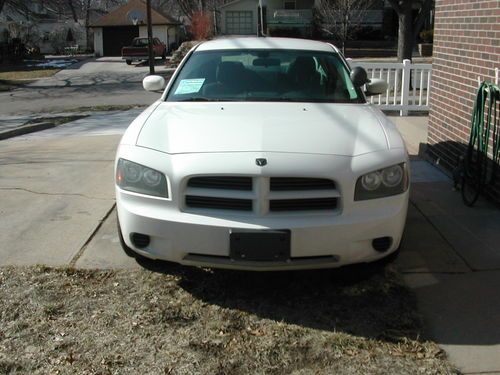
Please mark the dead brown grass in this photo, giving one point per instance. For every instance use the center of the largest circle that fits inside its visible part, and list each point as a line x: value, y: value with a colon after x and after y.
x: 14, y: 75
x: 191, y: 321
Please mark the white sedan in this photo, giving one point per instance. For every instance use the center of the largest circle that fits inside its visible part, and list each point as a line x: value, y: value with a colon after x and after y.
x: 262, y: 154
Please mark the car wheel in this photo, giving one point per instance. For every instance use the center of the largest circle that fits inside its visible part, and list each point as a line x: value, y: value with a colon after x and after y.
x: 131, y: 253
x: 129, y: 62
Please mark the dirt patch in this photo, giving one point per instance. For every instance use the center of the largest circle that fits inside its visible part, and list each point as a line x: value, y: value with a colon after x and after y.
x: 176, y: 320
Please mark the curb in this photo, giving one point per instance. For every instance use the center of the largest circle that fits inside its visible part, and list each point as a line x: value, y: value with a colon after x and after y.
x: 25, y: 129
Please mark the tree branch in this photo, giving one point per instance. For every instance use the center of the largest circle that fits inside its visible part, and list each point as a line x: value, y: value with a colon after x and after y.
x: 73, y: 11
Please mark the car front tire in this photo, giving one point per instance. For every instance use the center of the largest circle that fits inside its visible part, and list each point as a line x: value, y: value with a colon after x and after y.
x: 129, y: 62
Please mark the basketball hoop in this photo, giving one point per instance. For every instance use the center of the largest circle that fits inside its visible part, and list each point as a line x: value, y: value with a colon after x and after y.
x: 136, y: 17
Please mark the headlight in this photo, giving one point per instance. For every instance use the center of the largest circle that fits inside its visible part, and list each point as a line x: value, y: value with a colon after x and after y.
x: 140, y: 179
x: 371, y: 181
x: 382, y: 183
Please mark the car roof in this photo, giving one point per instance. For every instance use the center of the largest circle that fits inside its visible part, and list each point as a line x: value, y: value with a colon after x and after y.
x: 265, y: 43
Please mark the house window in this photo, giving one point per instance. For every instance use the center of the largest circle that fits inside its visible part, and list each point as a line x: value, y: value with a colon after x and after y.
x: 289, y: 4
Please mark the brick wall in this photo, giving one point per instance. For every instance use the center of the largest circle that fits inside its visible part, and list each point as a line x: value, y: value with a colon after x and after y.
x: 466, y: 45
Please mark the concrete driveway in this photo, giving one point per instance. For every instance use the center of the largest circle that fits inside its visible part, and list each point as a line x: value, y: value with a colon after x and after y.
x: 56, y: 186
x: 92, y: 82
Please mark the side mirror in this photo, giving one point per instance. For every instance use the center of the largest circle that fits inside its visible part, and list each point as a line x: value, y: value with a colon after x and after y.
x: 376, y: 86
x: 154, y: 83
x: 358, y: 76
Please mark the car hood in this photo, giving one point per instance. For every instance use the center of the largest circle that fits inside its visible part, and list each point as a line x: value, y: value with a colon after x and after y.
x: 311, y: 128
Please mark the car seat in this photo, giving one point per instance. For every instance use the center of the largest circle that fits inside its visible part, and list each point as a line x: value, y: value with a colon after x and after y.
x: 303, y: 74
x: 230, y: 79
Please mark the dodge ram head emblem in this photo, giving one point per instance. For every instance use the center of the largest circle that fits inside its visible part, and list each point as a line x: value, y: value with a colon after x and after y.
x: 261, y: 162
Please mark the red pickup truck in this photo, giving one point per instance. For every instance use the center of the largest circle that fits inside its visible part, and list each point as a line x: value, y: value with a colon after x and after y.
x: 138, y: 50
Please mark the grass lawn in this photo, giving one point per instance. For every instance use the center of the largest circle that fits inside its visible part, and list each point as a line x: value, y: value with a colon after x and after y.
x: 13, y: 75
x: 175, y: 320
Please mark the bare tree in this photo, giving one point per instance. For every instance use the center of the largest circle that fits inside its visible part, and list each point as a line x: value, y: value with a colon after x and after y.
x: 409, y: 27
x: 189, y: 7
x: 20, y: 7
x: 73, y: 10
x: 341, y: 18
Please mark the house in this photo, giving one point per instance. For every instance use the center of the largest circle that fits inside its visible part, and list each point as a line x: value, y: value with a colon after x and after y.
x: 117, y: 28
x: 281, y: 17
x: 466, y: 47
x: 40, y: 25
x: 242, y: 17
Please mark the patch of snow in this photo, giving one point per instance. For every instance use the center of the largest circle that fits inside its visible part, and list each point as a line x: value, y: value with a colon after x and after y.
x: 51, y: 63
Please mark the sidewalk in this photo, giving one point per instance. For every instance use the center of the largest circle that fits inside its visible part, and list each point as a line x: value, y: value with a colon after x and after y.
x: 451, y: 258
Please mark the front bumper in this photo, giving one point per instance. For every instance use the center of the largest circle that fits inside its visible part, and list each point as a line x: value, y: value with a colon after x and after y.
x: 316, y: 242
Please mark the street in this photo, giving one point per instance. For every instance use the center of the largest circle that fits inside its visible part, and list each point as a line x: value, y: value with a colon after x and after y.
x: 92, y: 82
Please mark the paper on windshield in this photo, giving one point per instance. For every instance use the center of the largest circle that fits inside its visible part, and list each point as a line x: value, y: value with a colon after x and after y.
x: 189, y: 86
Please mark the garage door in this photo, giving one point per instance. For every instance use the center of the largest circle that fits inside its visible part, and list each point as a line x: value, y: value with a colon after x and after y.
x: 114, y: 38
x: 239, y: 22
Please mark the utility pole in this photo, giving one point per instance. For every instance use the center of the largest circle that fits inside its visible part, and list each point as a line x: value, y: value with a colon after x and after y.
x: 261, y: 15
x: 150, y: 39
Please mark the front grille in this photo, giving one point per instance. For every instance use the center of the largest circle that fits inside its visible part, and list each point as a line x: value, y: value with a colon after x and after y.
x: 311, y: 204
x: 219, y: 203
x: 261, y: 195
x: 298, y: 183
x: 221, y: 182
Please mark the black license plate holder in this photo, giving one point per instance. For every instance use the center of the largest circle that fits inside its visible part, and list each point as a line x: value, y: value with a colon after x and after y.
x: 260, y: 245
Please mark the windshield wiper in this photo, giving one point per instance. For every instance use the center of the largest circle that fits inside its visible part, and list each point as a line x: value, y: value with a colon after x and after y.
x: 197, y: 99
x: 205, y: 99
x: 268, y: 99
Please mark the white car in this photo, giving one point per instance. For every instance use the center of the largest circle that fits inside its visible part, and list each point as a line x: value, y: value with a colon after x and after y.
x: 262, y: 154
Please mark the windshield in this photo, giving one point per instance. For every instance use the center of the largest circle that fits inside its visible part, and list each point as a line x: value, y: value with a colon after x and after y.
x: 140, y: 42
x: 264, y: 75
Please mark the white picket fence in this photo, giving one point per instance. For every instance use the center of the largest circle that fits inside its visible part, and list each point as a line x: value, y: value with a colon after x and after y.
x: 408, y: 85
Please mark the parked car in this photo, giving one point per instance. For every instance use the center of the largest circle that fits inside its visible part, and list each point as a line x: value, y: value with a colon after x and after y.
x: 138, y: 50
x: 262, y: 154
